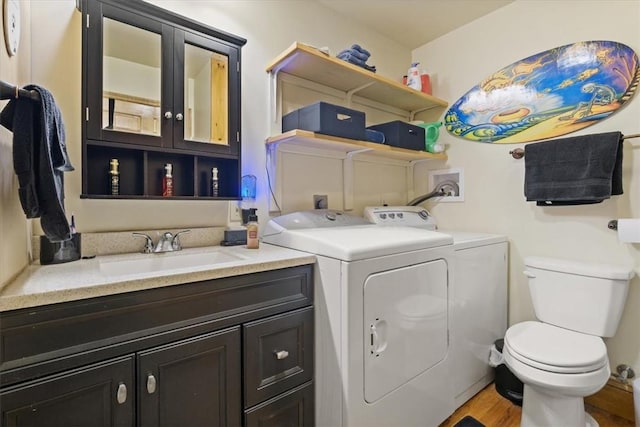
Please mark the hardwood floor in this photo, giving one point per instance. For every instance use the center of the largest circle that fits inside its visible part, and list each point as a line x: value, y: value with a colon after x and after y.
x: 493, y: 410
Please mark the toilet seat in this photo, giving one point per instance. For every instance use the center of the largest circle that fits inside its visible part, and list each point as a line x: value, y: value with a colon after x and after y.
x: 554, y: 349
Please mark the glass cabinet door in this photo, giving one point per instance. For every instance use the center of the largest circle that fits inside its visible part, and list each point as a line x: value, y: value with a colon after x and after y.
x: 131, y: 78
x: 128, y: 99
x: 206, y: 102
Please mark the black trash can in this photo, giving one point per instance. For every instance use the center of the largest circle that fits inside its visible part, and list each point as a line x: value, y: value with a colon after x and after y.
x: 507, y: 384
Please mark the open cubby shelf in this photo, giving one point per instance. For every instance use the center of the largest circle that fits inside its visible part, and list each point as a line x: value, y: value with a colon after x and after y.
x: 141, y: 174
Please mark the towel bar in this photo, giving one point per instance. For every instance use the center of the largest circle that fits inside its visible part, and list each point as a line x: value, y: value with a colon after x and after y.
x: 8, y: 91
x: 518, y: 153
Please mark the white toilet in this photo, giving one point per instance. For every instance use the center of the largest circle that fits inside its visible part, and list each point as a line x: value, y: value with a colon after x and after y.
x: 561, y: 358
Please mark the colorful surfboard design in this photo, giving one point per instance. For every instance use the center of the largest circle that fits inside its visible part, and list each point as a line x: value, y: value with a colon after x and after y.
x: 552, y: 93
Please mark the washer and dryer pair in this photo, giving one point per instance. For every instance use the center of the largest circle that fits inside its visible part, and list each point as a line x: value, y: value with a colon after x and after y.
x: 385, y: 323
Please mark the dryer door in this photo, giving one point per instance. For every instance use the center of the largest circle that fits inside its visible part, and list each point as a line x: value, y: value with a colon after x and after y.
x: 405, y: 325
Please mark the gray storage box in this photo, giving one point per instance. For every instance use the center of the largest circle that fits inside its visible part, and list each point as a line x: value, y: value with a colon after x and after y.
x: 327, y: 119
x: 401, y: 134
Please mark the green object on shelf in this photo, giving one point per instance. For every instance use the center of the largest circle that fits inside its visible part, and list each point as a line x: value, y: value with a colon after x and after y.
x: 431, y: 134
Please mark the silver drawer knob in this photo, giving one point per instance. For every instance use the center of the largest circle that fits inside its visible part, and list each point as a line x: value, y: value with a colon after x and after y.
x: 282, y: 354
x: 151, y: 384
x: 121, y: 394
x: 168, y: 115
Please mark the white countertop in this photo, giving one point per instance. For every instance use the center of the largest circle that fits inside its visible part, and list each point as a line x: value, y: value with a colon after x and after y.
x: 87, y: 278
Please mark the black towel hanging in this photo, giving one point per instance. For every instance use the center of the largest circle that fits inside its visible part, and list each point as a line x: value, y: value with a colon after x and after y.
x: 571, y: 171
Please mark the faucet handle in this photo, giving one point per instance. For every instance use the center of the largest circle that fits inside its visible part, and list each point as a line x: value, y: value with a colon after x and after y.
x: 148, y: 246
x: 175, y: 242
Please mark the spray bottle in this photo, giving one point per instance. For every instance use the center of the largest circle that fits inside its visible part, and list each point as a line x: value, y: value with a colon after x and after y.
x: 413, y: 77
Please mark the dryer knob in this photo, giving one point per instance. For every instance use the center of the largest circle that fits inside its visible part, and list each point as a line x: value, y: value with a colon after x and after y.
x: 424, y: 214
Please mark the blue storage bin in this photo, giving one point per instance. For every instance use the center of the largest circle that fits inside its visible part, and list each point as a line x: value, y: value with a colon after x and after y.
x: 401, y: 134
x: 327, y: 119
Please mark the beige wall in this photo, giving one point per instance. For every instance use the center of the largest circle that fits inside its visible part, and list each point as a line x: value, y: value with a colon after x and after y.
x: 493, y: 180
x: 270, y: 27
x: 14, y: 228
x: 494, y: 198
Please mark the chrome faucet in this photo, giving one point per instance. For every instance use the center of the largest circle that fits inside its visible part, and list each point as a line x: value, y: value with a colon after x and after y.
x: 167, y: 243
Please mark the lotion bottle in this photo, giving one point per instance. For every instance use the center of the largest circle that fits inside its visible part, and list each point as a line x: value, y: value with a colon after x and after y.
x: 214, y: 182
x: 167, y: 181
x: 413, y: 77
x: 114, y: 175
x: 252, y: 230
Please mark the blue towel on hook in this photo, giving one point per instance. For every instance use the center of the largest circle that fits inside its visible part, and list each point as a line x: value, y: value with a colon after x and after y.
x: 39, y: 159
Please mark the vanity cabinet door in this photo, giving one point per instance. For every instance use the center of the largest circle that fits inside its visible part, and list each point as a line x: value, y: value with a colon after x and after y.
x: 100, y: 395
x: 194, y: 382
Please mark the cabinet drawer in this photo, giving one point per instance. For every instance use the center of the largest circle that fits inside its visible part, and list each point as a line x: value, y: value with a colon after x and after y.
x: 278, y: 354
x: 293, y: 408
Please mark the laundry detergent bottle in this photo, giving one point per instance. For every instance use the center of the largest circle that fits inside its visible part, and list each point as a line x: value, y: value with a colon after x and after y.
x: 413, y: 77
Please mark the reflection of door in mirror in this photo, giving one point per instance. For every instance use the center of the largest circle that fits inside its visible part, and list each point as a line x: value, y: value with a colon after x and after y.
x: 131, y: 79
x: 206, y: 96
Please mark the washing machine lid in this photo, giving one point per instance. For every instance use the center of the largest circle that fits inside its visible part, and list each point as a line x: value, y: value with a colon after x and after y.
x: 466, y: 239
x: 555, y: 349
x: 353, y: 243
x: 346, y: 237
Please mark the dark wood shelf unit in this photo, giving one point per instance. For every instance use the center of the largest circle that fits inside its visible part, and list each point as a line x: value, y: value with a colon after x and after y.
x: 142, y: 155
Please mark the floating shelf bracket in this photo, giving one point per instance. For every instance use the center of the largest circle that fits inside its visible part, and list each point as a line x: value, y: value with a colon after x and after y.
x: 274, y: 179
x: 350, y: 93
x: 275, y: 93
x: 412, y: 114
x: 411, y: 190
x: 348, y: 176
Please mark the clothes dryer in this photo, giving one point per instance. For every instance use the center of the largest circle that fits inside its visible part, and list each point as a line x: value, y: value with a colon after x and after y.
x: 381, y: 318
x: 478, y: 295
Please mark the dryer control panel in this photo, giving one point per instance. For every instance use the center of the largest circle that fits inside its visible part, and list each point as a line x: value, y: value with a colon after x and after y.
x: 409, y: 216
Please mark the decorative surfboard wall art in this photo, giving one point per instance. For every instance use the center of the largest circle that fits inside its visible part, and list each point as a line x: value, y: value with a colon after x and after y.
x: 552, y: 93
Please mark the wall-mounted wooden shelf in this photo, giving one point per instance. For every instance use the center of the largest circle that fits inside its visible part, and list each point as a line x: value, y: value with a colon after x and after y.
x: 306, y: 62
x: 333, y: 143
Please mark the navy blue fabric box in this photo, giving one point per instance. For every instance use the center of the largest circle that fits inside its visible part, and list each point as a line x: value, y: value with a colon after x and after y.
x: 327, y: 119
x: 401, y: 134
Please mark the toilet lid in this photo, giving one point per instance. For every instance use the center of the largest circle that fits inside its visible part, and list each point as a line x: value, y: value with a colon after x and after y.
x: 555, y: 349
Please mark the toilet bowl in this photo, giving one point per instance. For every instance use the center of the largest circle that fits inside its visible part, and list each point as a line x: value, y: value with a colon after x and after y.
x: 554, y: 391
x: 561, y: 358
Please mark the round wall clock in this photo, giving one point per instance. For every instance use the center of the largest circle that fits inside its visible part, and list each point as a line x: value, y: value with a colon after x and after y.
x: 11, y: 18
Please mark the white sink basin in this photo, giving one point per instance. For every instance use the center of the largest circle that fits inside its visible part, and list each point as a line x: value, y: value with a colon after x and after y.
x: 164, y: 262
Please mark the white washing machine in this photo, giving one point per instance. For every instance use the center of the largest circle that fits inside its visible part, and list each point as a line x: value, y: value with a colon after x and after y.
x: 478, y: 295
x: 381, y: 319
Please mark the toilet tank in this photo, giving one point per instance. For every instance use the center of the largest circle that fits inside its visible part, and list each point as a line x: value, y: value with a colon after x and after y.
x: 584, y: 297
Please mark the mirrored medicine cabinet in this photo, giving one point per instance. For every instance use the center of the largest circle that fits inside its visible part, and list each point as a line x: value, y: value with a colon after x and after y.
x: 158, y: 88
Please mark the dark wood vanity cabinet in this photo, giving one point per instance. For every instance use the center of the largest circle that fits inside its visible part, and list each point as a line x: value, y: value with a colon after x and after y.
x: 225, y: 352
x: 158, y: 88
x: 98, y: 395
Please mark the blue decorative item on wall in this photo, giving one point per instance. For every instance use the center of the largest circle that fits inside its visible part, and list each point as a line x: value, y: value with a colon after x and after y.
x: 552, y: 93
